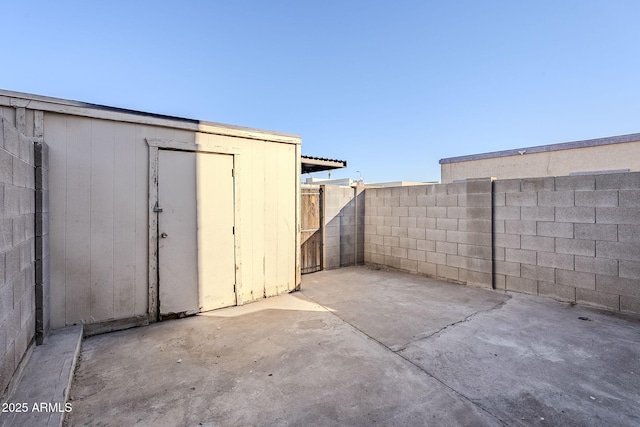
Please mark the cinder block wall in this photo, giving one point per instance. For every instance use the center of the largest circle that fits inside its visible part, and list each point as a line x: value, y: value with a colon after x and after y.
x: 573, y: 238
x: 343, y: 217
x: 441, y: 230
x: 17, y: 249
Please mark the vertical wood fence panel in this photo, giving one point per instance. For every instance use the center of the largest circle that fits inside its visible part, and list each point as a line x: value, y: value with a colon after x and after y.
x: 311, y: 235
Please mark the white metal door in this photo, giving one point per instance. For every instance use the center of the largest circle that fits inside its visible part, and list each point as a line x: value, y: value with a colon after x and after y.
x: 216, y: 240
x: 177, y: 234
x: 196, y: 251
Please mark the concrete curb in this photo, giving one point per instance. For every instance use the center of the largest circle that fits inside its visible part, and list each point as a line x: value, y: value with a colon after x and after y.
x: 40, y: 398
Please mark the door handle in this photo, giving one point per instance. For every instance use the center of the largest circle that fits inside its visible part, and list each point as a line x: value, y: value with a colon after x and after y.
x: 164, y: 235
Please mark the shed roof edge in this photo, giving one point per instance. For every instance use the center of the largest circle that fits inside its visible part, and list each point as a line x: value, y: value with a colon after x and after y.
x: 85, y: 109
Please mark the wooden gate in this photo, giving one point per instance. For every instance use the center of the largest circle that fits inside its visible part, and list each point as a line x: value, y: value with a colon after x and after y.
x: 311, y: 234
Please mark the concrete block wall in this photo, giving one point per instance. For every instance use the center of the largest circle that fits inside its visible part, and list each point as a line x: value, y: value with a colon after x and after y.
x: 441, y: 230
x: 343, y: 226
x: 573, y: 238
x: 17, y: 249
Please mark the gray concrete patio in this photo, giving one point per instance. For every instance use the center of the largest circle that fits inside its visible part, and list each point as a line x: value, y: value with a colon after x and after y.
x: 367, y: 347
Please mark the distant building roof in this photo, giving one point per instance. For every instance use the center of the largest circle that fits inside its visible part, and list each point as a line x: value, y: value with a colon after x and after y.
x: 546, y: 148
x: 318, y: 164
x: 324, y: 181
x: 398, y: 184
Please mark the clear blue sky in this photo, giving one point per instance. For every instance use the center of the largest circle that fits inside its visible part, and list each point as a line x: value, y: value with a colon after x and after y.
x: 391, y: 87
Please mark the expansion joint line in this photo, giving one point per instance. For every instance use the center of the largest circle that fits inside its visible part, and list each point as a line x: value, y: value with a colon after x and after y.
x: 420, y: 368
x: 466, y: 319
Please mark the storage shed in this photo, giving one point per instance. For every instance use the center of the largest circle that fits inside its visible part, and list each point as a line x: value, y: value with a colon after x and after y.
x: 152, y: 217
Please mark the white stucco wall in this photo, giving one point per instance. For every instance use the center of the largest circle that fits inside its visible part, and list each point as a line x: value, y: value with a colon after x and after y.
x: 550, y: 163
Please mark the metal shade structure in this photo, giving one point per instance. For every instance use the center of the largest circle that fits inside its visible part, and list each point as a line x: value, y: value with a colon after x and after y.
x: 319, y: 164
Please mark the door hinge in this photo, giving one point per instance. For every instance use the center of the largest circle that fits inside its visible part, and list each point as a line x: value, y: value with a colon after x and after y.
x: 157, y: 208
x: 233, y: 172
x: 233, y: 230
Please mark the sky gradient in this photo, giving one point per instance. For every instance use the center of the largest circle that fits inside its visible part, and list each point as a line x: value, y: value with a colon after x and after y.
x: 391, y: 87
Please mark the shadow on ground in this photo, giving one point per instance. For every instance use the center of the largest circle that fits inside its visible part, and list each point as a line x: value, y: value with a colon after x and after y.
x: 366, y: 347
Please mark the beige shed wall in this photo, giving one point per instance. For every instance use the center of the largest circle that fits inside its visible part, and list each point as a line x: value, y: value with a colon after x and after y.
x: 551, y: 163
x: 99, y: 174
x: 267, y: 179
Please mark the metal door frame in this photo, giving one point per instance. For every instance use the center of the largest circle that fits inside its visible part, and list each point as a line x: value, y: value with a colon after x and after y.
x: 165, y: 144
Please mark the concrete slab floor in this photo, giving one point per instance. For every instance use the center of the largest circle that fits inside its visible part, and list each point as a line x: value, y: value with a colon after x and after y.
x: 367, y: 347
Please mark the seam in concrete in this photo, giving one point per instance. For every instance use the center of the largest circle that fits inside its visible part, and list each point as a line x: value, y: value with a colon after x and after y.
x: 72, y: 373
x: 421, y: 369
x: 466, y: 319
